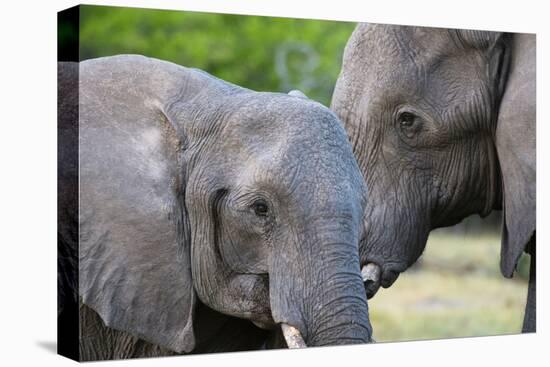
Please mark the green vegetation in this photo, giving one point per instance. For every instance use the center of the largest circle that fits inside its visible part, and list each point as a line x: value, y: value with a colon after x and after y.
x: 261, y: 53
x: 456, y: 291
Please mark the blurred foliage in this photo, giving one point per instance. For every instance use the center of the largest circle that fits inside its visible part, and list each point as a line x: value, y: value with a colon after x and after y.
x: 260, y: 53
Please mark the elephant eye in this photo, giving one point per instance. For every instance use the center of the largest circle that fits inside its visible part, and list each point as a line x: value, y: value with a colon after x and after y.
x: 260, y: 208
x: 409, y: 124
x: 406, y: 119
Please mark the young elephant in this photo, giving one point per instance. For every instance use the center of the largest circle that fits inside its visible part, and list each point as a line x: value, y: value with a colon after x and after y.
x: 203, y: 203
x: 442, y: 124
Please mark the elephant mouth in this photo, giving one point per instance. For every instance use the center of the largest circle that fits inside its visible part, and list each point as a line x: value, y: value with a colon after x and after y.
x: 291, y: 334
x: 375, y: 276
x: 371, y: 278
x: 265, y: 324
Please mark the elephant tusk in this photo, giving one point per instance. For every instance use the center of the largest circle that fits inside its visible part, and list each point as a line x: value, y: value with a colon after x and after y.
x: 293, y: 337
x: 370, y: 272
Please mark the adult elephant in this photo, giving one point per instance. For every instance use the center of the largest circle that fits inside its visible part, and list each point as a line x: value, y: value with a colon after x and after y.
x: 206, y: 209
x: 442, y: 124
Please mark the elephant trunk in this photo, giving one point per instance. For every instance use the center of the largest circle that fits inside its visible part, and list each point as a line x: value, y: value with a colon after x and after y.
x: 321, y: 298
x: 342, y: 317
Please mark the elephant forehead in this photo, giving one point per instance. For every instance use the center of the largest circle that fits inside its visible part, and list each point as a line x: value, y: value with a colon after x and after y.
x: 401, y: 42
x: 306, y: 182
x: 292, y: 164
x: 265, y: 112
x: 410, y: 64
x: 398, y: 55
x: 277, y: 122
x: 279, y: 135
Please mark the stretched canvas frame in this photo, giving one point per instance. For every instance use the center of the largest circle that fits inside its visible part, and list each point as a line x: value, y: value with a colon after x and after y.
x: 70, y: 327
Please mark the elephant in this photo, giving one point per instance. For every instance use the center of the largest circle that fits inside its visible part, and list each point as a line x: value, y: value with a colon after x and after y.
x: 442, y: 124
x: 211, y: 216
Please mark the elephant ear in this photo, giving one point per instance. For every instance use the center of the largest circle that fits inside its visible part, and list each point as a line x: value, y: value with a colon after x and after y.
x: 135, y: 268
x: 515, y: 142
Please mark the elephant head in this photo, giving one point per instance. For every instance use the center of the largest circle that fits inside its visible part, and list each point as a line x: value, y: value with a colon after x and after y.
x: 196, y: 190
x: 442, y: 126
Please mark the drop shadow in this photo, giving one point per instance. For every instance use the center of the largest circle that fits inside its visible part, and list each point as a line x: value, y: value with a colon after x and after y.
x: 48, y: 345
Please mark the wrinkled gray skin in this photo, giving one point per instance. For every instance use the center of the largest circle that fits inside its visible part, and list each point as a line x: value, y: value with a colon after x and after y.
x: 442, y: 124
x: 201, y: 197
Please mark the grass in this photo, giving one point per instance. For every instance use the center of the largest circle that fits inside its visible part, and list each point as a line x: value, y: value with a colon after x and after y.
x: 456, y: 291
